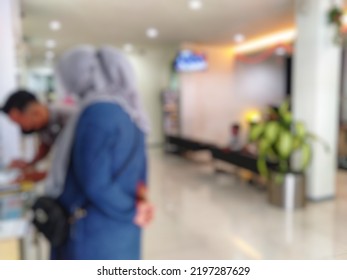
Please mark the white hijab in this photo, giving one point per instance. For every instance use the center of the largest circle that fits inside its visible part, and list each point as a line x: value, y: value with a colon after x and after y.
x: 93, y: 76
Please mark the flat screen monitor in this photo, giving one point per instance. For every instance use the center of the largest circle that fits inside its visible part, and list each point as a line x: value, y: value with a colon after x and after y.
x: 189, y: 61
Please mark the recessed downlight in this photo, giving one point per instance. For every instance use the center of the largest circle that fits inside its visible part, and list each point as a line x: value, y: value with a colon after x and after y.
x: 50, y: 55
x: 239, y: 38
x: 128, y: 47
x: 280, y: 51
x: 55, y: 25
x: 51, y: 44
x: 195, y: 4
x: 152, y: 32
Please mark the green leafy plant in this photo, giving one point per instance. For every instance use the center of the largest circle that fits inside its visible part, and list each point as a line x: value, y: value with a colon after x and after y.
x: 278, y: 139
x: 335, y: 17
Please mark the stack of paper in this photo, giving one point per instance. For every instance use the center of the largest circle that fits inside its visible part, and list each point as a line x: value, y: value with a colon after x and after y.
x: 17, y: 228
x: 7, y: 177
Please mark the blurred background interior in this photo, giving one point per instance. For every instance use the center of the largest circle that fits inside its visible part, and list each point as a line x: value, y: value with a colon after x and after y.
x: 208, y: 71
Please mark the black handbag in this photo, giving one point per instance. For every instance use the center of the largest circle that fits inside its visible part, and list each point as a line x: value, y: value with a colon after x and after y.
x: 54, y: 222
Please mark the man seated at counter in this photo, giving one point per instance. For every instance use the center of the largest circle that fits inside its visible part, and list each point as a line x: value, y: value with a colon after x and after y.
x: 23, y: 108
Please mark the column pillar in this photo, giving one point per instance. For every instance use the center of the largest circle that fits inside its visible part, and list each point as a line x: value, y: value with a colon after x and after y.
x: 317, y: 72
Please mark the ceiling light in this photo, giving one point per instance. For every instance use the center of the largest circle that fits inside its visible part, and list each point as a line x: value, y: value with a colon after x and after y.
x: 50, y: 55
x: 51, y: 44
x: 280, y: 51
x: 55, y: 25
x: 284, y: 37
x: 195, y: 4
x: 152, y: 33
x: 239, y: 38
x: 344, y: 19
x: 128, y: 47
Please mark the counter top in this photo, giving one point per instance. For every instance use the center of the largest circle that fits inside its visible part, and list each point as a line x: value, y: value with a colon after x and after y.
x: 13, y: 229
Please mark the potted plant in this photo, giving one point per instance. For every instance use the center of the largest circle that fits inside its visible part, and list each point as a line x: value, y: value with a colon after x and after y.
x: 335, y: 17
x: 284, y: 153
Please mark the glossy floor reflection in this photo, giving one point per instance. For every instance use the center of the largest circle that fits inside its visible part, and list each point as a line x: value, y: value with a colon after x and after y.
x: 201, y: 215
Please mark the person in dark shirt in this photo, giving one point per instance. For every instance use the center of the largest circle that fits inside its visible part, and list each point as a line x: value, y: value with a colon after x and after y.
x: 32, y: 116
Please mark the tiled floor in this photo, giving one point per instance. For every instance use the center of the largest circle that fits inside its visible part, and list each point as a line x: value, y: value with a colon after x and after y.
x: 201, y: 215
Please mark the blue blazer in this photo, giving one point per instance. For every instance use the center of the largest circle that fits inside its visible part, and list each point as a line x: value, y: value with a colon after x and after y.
x: 105, y: 137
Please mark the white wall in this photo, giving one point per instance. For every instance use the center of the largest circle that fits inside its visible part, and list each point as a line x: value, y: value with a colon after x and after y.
x: 261, y: 84
x: 152, y: 66
x: 212, y: 100
x: 9, y: 133
x: 343, y: 105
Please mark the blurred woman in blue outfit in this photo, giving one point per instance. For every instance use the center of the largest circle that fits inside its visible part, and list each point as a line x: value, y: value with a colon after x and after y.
x: 99, y: 168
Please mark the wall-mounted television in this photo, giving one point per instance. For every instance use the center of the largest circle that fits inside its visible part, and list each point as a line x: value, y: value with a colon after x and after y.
x: 189, y: 61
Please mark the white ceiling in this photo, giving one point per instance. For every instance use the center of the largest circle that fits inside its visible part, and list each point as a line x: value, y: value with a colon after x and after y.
x: 125, y: 21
